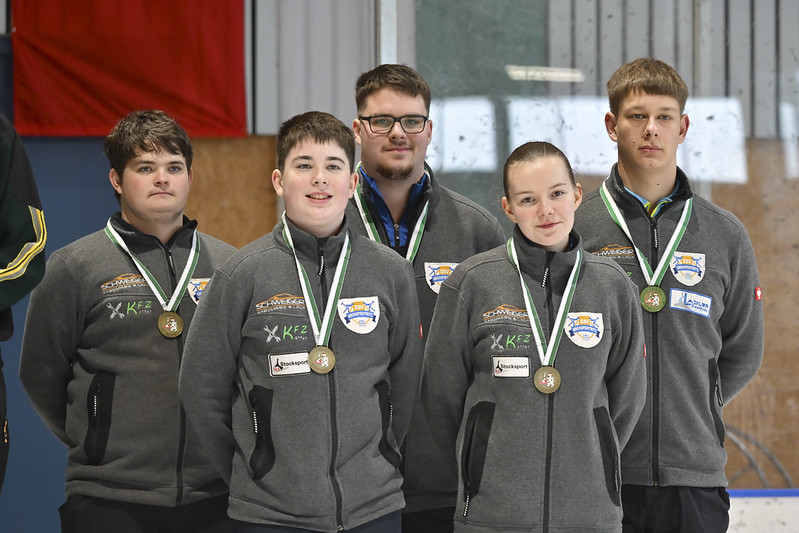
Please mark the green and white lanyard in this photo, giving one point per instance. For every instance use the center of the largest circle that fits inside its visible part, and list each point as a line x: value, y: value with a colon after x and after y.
x: 183, y: 282
x: 653, y: 278
x: 321, y: 327
x: 371, y: 228
x: 547, y: 351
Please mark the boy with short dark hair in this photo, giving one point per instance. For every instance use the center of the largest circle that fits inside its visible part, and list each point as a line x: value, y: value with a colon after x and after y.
x: 695, y: 267
x: 103, y: 344
x: 304, y: 362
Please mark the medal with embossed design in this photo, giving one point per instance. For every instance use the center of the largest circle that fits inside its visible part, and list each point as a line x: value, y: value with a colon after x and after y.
x: 170, y: 324
x: 321, y: 359
x: 547, y: 379
x: 653, y: 299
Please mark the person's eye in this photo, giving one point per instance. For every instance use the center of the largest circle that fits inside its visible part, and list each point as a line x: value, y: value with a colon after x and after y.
x: 144, y: 169
x: 412, y: 121
x: 382, y: 122
x: 176, y: 169
x: 636, y: 116
x: 665, y: 117
x: 333, y: 167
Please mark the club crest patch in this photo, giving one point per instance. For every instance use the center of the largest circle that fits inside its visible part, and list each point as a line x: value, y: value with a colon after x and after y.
x: 437, y: 273
x: 584, y: 329
x: 360, y: 315
x: 511, y: 367
x: 288, y: 364
x: 196, y: 287
x: 689, y: 269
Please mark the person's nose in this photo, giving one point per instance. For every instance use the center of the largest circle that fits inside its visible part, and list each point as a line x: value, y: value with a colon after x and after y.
x: 319, y: 177
x: 651, y: 127
x: 161, y: 177
x: 396, y: 130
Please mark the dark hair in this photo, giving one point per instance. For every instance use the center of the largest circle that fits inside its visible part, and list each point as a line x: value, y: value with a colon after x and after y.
x: 399, y: 78
x: 145, y: 131
x: 317, y: 125
x: 532, y: 151
x: 649, y: 76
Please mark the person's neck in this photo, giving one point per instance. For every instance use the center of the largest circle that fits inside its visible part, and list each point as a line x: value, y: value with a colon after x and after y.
x: 652, y: 185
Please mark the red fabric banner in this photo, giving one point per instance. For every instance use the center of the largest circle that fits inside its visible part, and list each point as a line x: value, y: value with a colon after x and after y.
x: 81, y: 65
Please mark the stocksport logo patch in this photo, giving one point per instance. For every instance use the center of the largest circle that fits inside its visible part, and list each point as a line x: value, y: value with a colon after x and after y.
x: 437, y: 273
x: 506, y: 312
x: 360, y: 315
x: 196, y: 287
x: 689, y: 269
x: 280, y: 302
x: 616, y: 251
x: 123, y: 281
x: 692, y: 302
x: 288, y: 364
x: 584, y: 329
x: 511, y: 367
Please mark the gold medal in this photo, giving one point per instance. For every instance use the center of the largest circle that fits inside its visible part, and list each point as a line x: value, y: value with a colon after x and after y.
x: 321, y: 359
x: 547, y: 379
x: 170, y: 324
x: 653, y: 299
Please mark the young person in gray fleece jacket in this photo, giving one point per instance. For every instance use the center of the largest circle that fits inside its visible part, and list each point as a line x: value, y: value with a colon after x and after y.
x: 101, y: 354
x: 704, y: 314
x: 303, y: 365
x: 534, y: 366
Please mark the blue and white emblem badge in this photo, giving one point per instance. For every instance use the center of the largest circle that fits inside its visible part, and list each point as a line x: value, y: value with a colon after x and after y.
x: 360, y: 315
x: 584, y: 329
x: 689, y: 269
x: 437, y: 273
x: 196, y: 287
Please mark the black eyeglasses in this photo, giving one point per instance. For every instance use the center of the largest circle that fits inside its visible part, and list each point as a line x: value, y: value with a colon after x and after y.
x: 385, y: 123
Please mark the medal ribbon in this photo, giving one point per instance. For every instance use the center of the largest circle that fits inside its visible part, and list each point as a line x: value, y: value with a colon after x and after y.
x: 321, y: 328
x: 183, y: 282
x: 547, y: 351
x: 371, y: 227
x: 652, y: 278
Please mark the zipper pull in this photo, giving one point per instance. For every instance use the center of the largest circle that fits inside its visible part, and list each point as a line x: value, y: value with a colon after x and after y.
x: 466, y: 504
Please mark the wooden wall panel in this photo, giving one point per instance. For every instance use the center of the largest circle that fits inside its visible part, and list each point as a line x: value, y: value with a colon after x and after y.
x: 231, y: 195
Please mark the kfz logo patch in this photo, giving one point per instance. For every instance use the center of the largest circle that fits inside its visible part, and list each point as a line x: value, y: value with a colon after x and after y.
x: 115, y: 310
x: 497, y: 338
x: 272, y: 333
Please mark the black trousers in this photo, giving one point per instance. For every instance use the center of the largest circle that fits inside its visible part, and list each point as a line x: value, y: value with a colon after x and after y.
x: 84, y: 514
x: 675, y: 509
x: 429, y: 521
x: 389, y: 523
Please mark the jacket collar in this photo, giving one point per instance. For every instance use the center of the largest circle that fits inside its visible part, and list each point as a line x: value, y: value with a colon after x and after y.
x: 630, y: 205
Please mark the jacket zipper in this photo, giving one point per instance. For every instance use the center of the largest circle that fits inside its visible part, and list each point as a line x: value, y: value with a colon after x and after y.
x: 182, y: 437
x: 332, y: 384
x: 550, y: 399
x: 655, y: 371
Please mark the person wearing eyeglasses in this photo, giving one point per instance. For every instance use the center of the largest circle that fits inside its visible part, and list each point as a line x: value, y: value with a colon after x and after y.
x: 399, y: 203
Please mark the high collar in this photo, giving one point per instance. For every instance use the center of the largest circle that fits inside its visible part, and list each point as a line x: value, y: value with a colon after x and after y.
x: 307, y: 246
x: 534, y: 259
x: 134, y: 237
x: 630, y: 205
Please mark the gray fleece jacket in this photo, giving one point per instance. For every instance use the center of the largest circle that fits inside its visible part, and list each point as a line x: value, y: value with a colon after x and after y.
x: 105, y: 380
x: 456, y: 229
x: 703, y: 347
x: 300, y: 449
x: 529, y: 461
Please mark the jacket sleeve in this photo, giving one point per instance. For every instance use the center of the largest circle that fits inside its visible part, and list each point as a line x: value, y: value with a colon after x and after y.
x: 741, y: 323
x: 447, y: 368
x: 208, y: 370
x: 49, y: 345
x: 407, y: 351
x: 625, y: 378
x: 22, y: 229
